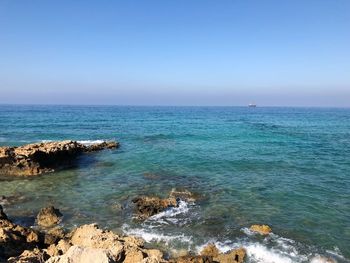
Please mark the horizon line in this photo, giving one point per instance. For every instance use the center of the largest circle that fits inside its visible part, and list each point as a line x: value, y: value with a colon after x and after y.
x: 171, y: 105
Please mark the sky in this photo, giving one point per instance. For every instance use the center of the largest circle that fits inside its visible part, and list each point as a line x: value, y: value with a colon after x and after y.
x: 183, y: 52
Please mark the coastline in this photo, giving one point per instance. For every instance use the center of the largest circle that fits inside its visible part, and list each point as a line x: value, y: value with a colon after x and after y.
x: 145, y: 207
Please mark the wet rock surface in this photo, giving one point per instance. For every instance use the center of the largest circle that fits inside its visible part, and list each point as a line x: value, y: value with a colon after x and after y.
x: 212, y: 253
x: 261, y: 229
x: 38, y: 158
x: 49, y: 216
x: 149, y: 206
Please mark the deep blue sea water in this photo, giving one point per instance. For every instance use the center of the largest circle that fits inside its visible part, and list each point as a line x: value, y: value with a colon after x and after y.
x: 285, y: 167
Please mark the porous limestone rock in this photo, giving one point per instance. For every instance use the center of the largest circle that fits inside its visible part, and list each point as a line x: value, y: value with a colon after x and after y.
x: 77, y: 254
x: 14, y: 239
x: 261, y: 229
x: 38, y: 158
x: 149, y: 206
x: 49, y: 216
x: 30, y: 256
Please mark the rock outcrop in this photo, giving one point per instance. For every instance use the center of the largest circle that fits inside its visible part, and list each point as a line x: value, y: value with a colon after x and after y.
x: 261, y: 229
x: 14, y: 239
x: 49, y: 216
x: 38, y: 158
x: 149, y: 206
x: 211, y: 252
x: 89, y: 241
x: 30, y: 256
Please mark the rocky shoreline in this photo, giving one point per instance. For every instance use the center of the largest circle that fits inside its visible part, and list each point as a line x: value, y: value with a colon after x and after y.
x: 49, y: 242
x: 39, y: 158
x: 88, y: 243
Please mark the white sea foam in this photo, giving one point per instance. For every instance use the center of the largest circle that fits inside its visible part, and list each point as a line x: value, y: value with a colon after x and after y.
x: 172, y: 212
x: 154, y: 236
x: 90, y: 142
x: 272, y: 249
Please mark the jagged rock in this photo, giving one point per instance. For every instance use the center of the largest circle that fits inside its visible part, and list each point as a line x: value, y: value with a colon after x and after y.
x: 134, y: 256
x: 233, y: 256
x: 61, y: 248
x: 192, y: 259
x: 210, y: 250
x: 101, y: 146
x: 261, y: 229
x: 30, y: 256
x: 122, y: 249
x: 49, y: 216
x: 38, y: 158
x: 14, y: 239
x: 77, y: 254
x: 149, y: 206
x: 93, y: 237
x: 2, y: 214
x: 154, y: 255
x: 53, y: 235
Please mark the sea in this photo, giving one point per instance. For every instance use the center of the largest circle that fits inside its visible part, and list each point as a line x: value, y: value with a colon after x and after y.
x: 285, y: 167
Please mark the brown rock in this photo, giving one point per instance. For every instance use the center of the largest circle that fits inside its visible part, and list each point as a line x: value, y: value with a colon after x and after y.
x: 101, y: 146
x: 49, y: 216
x: 210, y: 251
x: 30, y: 256
x: 59, y: 249
x: 233, y: 256
x: 14, y: 239
x: 149, y: 206
x: 261, y: 229
x: 38, y: 158
x: 92, y: 236
x: 192, y: 259
x: 155, y: 255
x: 53, y: 235
x: 77, y: 254
x: 134, y: 256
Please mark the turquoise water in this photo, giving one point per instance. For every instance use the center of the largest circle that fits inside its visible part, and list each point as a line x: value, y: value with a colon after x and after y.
x: 286, y: 167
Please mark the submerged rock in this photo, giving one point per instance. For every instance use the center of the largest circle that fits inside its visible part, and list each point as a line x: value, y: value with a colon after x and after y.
x: 184, y: 195
x: 261, y: 229
x: 38, y: 158
x: 149, y: 206
x: 49, y: 216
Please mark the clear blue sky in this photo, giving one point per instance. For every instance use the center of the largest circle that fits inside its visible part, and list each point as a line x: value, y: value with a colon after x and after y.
x: 186, y: 52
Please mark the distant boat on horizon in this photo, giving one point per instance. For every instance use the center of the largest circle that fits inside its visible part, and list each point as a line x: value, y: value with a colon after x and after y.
x: 252, y: 105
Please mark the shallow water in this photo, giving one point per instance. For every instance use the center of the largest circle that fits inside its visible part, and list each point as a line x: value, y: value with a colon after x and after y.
x: 286, y: 167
